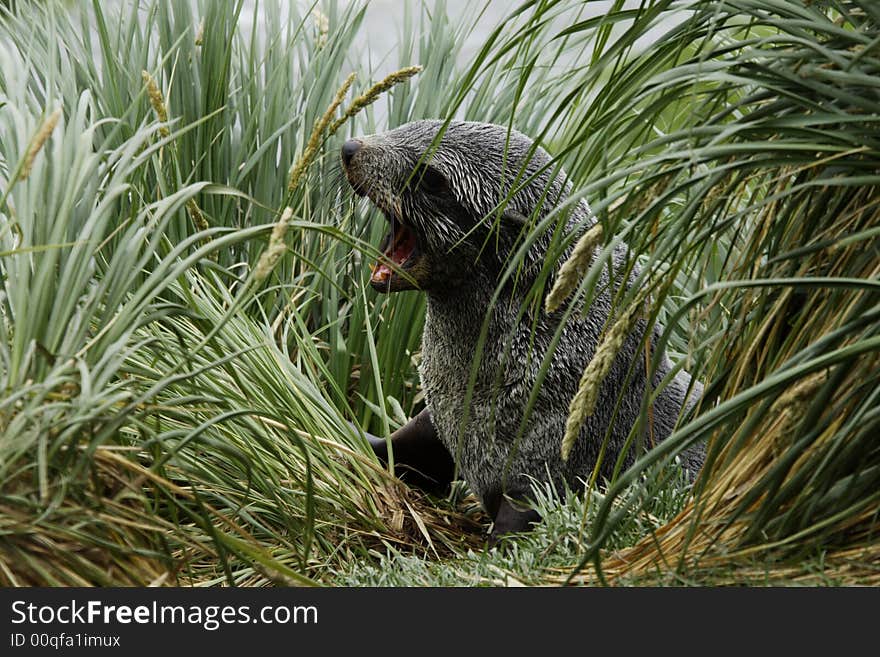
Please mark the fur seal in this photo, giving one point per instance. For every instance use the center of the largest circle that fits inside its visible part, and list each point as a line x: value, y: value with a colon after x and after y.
x: 445, y: 239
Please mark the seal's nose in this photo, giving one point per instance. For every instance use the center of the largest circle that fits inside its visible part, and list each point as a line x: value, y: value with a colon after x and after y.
x: 349, y: 148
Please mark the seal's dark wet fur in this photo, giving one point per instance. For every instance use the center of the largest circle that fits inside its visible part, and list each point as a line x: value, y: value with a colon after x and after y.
x: 451, y: 204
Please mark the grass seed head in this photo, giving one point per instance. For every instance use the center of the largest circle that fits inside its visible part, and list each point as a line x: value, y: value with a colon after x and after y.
x: 200, y: 33
x: 372, y: 94
x: 157, y: 100
x: 583, y: 404
x: 197, y: 216
x: 322, y: 23
x: 324, y: 124
x: 40, y: 138
x: 573, y: 269
x: 276, y: 248
x: 314, y: 143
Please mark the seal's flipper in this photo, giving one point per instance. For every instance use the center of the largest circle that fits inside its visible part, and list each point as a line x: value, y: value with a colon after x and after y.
x: 511, y: 518
x: 420, y: 459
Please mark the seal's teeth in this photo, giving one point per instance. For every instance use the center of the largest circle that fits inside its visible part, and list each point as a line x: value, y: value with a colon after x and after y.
x: 380, y: 273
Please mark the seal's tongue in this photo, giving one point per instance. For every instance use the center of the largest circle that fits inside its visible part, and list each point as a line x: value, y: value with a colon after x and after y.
x: 400, y: 249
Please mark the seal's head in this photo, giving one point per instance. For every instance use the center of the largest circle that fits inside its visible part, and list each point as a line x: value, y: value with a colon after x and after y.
x: 455, y: 203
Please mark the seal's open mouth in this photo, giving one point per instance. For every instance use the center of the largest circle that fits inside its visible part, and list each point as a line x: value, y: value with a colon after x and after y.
x: 402, y: 265
x: 400, y: 250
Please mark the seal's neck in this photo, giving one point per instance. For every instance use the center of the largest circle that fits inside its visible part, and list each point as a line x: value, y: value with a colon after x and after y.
x: 461, y: 310
x: 463, y: 302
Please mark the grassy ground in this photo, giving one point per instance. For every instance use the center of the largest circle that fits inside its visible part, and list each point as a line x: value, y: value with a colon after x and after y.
x: 186, y: 332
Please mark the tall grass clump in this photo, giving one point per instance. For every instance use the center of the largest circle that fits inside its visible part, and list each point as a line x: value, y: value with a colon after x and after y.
x: 181, y: 320
x: 735, y: 146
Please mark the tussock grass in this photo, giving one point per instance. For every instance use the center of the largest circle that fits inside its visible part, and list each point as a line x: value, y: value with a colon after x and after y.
x: 759, y: 205
x: 166, y: 418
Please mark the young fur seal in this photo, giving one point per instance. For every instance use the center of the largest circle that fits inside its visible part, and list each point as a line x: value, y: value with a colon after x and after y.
x: 445, y: 239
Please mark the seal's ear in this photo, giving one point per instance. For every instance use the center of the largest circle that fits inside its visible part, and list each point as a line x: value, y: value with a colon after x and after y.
x: 510, y: 220
x: 514, y: 218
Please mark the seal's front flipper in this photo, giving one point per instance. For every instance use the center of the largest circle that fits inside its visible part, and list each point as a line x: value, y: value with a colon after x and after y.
x: 511, y: 518
x: 420, y: 459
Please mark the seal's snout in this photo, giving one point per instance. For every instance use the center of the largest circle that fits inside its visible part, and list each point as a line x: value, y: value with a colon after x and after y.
x: 349, y: 148
x: 346, y: 153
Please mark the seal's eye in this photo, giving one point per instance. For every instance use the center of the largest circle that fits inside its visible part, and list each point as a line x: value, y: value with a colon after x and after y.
x: 430, y: 180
